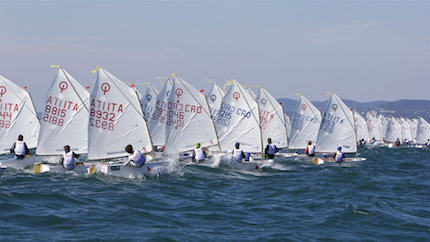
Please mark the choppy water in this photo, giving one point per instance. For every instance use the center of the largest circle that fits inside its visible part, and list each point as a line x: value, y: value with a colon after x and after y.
x: 386, y: 197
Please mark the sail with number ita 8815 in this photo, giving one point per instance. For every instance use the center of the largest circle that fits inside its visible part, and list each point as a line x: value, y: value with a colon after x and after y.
x: 116, y: 119
x: 337, y: 128
x: 17, y: 116
x: 65, y: 117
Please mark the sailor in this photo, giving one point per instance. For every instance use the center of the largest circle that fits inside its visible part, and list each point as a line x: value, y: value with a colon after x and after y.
x: 362, y: 142
x: 373, y: 139
x: 397, y: 143
x: 310, y: 149
x: 238, y: 154
x: 68, y: 159
x: 135, y: 158
x: 19, y: 148
x: 199, y: 155
x: 338, y: 156
x: 271, y: 149
x: 428, y: 143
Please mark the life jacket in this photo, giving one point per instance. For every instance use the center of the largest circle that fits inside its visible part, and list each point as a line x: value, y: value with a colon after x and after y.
x: 19, y: 148
x: 237, y: 155
x: 311, y: 149
x: 137, y: 158
x: 200, y: 155
x: 339, y: 156
x: 69, y: 160
x: 272, y: 149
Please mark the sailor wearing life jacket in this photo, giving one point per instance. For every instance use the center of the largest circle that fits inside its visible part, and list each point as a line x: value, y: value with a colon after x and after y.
x: 135, y: 158
x: 310, y: 149
x: 238, y: 154
x: 271, y: 149
x: 19, y: 148
x: 199, y: 155
x: 339, y: 156
x: 68, y: 159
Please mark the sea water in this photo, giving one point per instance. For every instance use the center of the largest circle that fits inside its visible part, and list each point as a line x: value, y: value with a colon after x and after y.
x: 386, y: 198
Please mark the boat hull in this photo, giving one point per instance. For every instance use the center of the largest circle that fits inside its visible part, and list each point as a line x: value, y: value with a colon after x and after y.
x: 79, y: 169
x: 117, y: 169
x: 21, y: 163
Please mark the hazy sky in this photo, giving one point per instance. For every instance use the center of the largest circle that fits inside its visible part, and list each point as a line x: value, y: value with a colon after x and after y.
x: 362, y: 50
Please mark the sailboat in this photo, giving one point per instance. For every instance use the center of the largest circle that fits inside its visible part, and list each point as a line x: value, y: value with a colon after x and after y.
x: 384, y: 126
x: 374, y: 127
x: 337, y: 130
x: 394, y: 132
x: 360, y: 127
x: 406, y: 131
x: 186, y: 118
x: 115, y: 121
x: 423, y: 131
x: 413, y: 126
x: 156, y: 128
x: 273, y: 122
x: 305, y: 124
x: 148, y: 100
x: 17, y: 117
x: 64, y: 122
x: 238, y: 121
x: 214, y: 99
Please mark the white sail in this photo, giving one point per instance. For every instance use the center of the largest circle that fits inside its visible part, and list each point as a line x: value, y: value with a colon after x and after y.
x: 337, y: 128
x: 373, y: 127
x: 423, y: 131
x: 360, y: 127
x: 394, y: 131
x: 288, y: 124
x: 238, y: 121
x: 116, y: 119
x: 65, y: 117
x: 413, y: 126
x: 214, y: 99
x: 148, y: 100
x: 384, y: 126
x: 187, y: 119
x: 406, y: 130
x: 17, y: 116
x: 306, y: 121
x: 158, y: 116
x: 272, y: 121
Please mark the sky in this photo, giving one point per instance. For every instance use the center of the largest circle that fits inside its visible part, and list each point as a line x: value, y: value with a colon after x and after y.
x: 361, y: 50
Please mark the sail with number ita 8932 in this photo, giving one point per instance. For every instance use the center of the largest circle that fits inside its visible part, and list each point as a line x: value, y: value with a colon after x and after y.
x: 65, y: 117
x: 306, y: 121
x: 337, y: 128
x: 17, y: 116
x: 116, y: 119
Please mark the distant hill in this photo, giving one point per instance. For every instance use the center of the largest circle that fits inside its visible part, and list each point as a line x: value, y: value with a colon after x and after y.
x: 402, y: 108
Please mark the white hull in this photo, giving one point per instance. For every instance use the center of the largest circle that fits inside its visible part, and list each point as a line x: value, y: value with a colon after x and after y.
x: 117, y: 169
x: 22, y: 163
x: 79, y: 169
x: 321, y: 161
